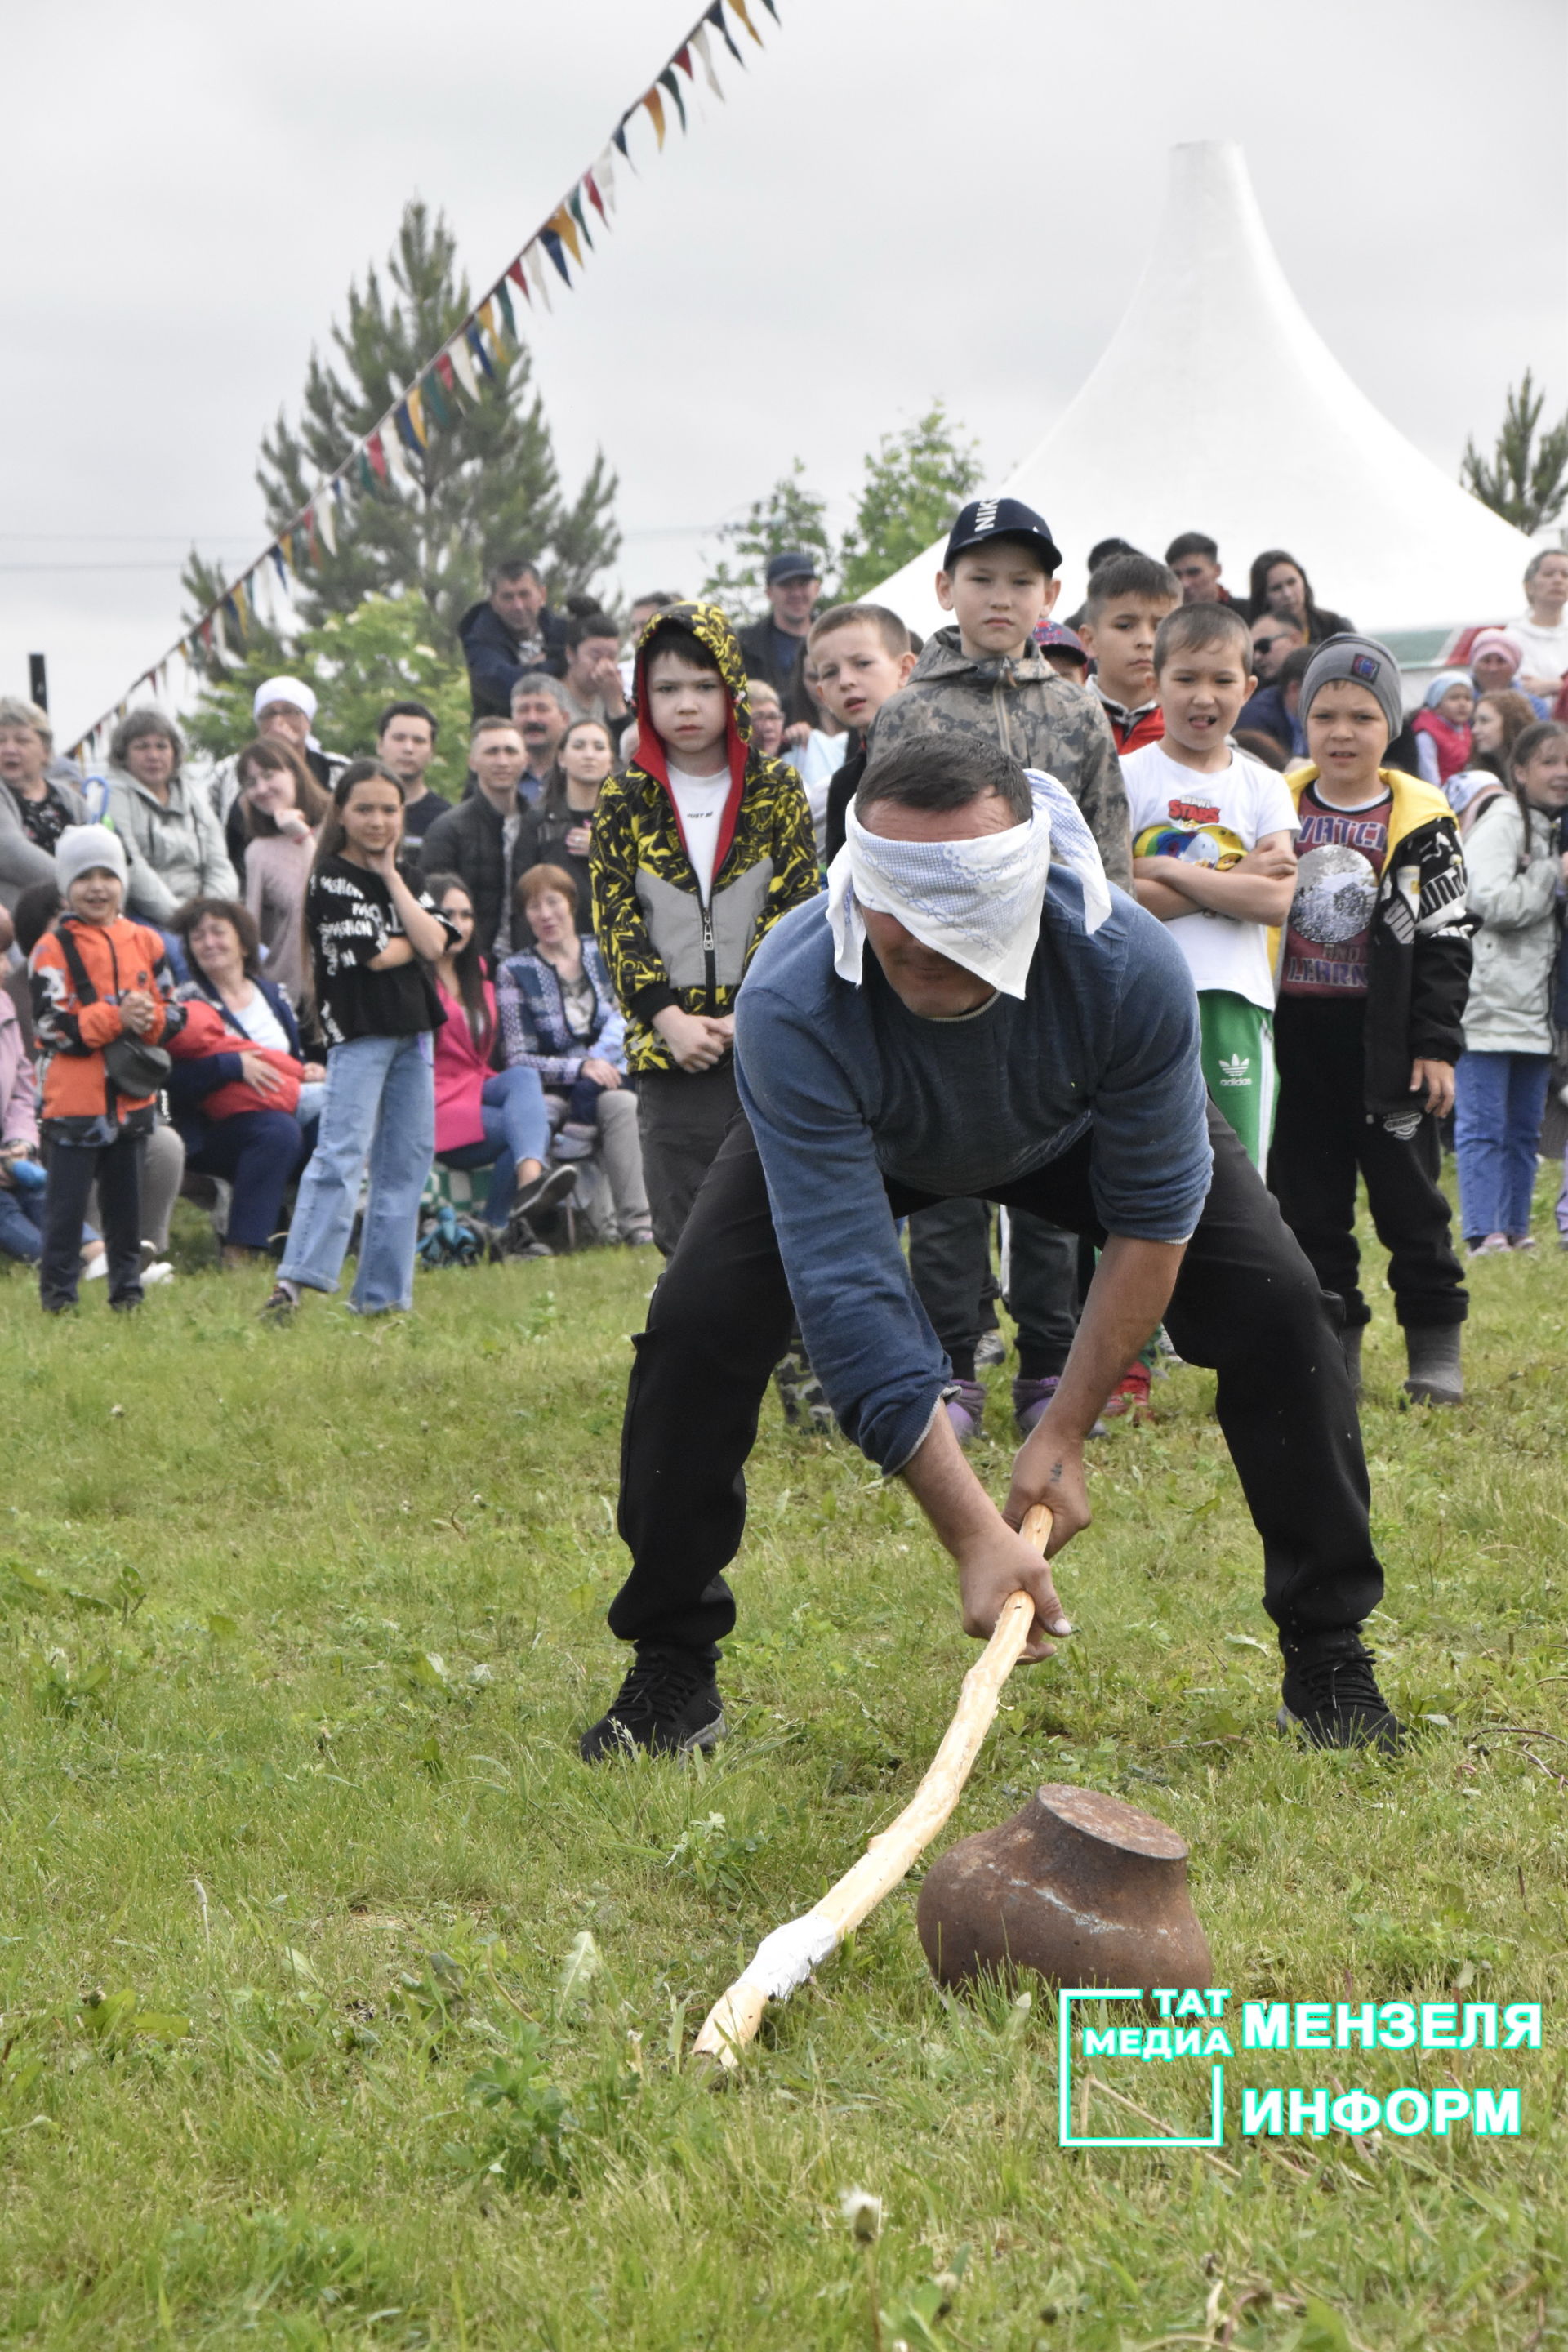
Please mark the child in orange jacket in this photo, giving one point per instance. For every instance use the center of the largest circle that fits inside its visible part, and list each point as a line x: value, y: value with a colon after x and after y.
x: 97, y: 979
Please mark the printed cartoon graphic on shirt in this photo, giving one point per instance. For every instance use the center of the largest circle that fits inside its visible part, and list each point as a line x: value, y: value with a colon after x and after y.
x: 1192, y: 829
x: 1340, y: 854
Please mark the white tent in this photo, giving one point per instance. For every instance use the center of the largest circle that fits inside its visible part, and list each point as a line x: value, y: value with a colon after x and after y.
x: 1218, y: 407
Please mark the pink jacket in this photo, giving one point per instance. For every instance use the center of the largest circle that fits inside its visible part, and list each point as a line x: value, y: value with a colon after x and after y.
x: 461, y: 1070
x: 18, y: 1088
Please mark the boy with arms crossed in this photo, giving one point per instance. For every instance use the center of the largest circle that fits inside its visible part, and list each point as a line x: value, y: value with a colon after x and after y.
x: 1213, y: 857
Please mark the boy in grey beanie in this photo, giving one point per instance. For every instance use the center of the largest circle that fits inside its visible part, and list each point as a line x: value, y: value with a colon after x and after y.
x: 1373, y: 967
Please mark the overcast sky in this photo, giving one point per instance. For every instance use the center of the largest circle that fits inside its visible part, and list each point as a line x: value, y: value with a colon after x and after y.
x: 900, y: 198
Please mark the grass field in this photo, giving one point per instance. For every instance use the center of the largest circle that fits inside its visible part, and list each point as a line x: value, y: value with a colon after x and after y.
x: 343, y: 2006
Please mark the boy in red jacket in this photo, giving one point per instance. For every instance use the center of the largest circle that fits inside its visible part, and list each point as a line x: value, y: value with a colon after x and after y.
x: 96, y: 979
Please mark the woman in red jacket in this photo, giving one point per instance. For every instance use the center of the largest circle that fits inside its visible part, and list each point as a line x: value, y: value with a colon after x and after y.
x: 486, y: 1117
x: 102, y: 987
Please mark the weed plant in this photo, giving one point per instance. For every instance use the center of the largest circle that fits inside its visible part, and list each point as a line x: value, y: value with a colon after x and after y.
x: 341, y: 2006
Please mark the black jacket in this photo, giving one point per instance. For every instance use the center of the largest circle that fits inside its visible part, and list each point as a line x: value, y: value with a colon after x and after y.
x: 545, y: 830
x: 470, y: 841
x: 497, y: 659
x: 760, y: 652
x: 1418, y: 954
x: 840, y: 793
x: 418, y: 816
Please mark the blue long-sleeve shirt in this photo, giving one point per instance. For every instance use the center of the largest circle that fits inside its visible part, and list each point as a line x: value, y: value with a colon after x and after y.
x: 847, y: 1089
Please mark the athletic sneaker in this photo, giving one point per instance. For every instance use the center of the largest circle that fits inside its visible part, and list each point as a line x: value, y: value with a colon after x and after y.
x: 990, y: 1351
x: 965, y: 1402
x: 1030, y: 1399
x: 573, y: 1140
x: 1130, y: 1395
x: 801, y: 1395
x: 667, y: 1704
x: 546, y: 1192
x: 1329, y: 1697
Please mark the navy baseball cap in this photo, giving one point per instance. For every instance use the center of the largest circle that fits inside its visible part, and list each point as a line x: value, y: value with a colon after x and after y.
x: 984, y: 518
x: 792, y: 564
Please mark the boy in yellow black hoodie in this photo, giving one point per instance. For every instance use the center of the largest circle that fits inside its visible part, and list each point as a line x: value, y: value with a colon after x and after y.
x: 698, y: 846
x: 1374, y: 968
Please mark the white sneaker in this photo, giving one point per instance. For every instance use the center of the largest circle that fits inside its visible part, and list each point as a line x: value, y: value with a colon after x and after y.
x: 159, y: 1271
x: 97, y: 1269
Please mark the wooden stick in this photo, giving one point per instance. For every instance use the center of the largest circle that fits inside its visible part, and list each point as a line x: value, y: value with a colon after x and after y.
x: 786, y: 1958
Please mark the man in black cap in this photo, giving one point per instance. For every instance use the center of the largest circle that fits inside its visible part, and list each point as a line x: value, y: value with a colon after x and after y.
x: 775, y: 648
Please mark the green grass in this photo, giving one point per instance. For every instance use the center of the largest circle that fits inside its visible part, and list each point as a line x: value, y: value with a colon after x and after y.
x: 296, y: 1633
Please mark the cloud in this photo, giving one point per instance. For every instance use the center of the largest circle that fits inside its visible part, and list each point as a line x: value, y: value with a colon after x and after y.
x: 899, y: 199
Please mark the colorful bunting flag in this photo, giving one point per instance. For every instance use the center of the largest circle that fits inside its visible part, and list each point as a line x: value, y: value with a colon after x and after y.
x: 716, y: 16
x: 536, y: 277
x: 459, y: 360
x: 669, y: 82
x: 382, y: 460
x: 433, y: 393
x: 700, y: 43
x: 563, y: 227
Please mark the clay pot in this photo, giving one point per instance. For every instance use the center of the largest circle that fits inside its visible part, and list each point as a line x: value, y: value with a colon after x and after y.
x: 1077, y: 1888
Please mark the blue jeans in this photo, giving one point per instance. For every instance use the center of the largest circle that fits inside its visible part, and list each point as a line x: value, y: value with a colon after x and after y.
x: 256, y: 1151
x: 517, y: 1128
x: 381, y: 1106
x: 1499, y: 1101
x: 21, y: 1223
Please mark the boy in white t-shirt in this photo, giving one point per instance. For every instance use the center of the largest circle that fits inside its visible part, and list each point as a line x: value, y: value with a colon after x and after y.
x: 1213, y: 854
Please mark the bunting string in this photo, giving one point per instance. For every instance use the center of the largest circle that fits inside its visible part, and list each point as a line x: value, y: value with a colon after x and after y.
x: 455, y: 374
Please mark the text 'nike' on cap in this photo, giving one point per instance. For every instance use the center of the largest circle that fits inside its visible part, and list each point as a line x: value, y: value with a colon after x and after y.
x: 984, y: 518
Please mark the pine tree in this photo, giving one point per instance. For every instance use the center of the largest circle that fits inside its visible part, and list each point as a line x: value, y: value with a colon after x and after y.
x: 485, y: 487
x: 1525, y: 482
x: 915, y: 482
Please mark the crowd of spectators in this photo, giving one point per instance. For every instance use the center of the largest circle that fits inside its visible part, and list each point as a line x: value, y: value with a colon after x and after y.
x: 297, y: 912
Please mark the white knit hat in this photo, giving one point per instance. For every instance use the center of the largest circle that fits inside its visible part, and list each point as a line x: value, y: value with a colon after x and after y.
x: 284, y: 689
x: 82, y: 846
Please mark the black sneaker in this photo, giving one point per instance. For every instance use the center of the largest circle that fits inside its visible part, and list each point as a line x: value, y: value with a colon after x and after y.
x: 1330, y: 1699
x: 547, y: 1190
x: 668, y: 1704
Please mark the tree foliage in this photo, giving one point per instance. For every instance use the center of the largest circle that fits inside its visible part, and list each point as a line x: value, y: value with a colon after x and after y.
x: 485, y: 486
x: 914, y: 482
x: 1526, y: 479
x: 358, y: 662
x: 790, y: 515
